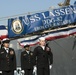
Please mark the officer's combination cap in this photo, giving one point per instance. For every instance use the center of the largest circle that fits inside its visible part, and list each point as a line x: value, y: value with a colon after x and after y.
x: 5, y: 40
x: 26, y: 46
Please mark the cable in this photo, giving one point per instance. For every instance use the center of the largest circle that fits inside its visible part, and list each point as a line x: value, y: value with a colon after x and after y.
x: 28, y: 13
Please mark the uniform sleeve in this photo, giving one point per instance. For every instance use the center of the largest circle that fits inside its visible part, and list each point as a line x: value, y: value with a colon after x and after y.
x: 50, y: 55
x: 14, y: 61
x: 22, y: 61
x: 35, y: 55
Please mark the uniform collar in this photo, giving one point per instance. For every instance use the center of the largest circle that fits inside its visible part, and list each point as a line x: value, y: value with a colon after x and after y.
x: 43, y: 47
x: 6, y: 48
x: 27, y: 52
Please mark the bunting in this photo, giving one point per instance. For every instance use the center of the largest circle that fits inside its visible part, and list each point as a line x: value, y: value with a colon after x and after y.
x: 34, y: 40
x: 3, y: 32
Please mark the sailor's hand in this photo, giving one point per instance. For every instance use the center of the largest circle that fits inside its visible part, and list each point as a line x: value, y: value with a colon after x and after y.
x: 34, y: 70
x: 23, y: 71
x: 15, y: 71
x: 50, y: 66
x: 0, y: 71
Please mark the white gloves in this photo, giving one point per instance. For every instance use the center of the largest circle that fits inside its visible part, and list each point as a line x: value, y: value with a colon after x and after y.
x: 0, y: 71
x: 35, y: 69
x: 50, y: 66
x: 23, y: 71
x: 15, y: 71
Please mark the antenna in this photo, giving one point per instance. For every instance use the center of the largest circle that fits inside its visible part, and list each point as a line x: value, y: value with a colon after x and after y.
x: 65, y: 3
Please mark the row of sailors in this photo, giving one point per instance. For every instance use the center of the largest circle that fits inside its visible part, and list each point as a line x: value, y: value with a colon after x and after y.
x: 41, y: 59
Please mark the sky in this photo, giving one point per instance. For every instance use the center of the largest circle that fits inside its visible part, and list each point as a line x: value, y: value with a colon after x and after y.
x: 16, y: 7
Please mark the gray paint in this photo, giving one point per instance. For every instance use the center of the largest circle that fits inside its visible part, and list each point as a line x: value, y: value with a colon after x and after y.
x: 64, y: 56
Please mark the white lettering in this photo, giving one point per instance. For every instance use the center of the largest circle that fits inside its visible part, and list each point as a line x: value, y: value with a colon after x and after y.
x: 44, y: 15
x: 34, y: 18
x: 62, y: 11
x: 51, y: 14
x: 57, y: 13
x: 67, y: 11
x: 25, y: 20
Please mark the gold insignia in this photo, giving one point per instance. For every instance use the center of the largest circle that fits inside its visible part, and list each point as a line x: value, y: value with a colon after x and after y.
x: 7, y: 56
x: 11, y: 52
x: 24, y: 54
x: 2, y: 52
x: 17, y: 26
x: 31, y: 53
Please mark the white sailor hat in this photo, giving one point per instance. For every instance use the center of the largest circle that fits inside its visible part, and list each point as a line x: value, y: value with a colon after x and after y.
x: 42, y: 38
x: 5, y: 40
